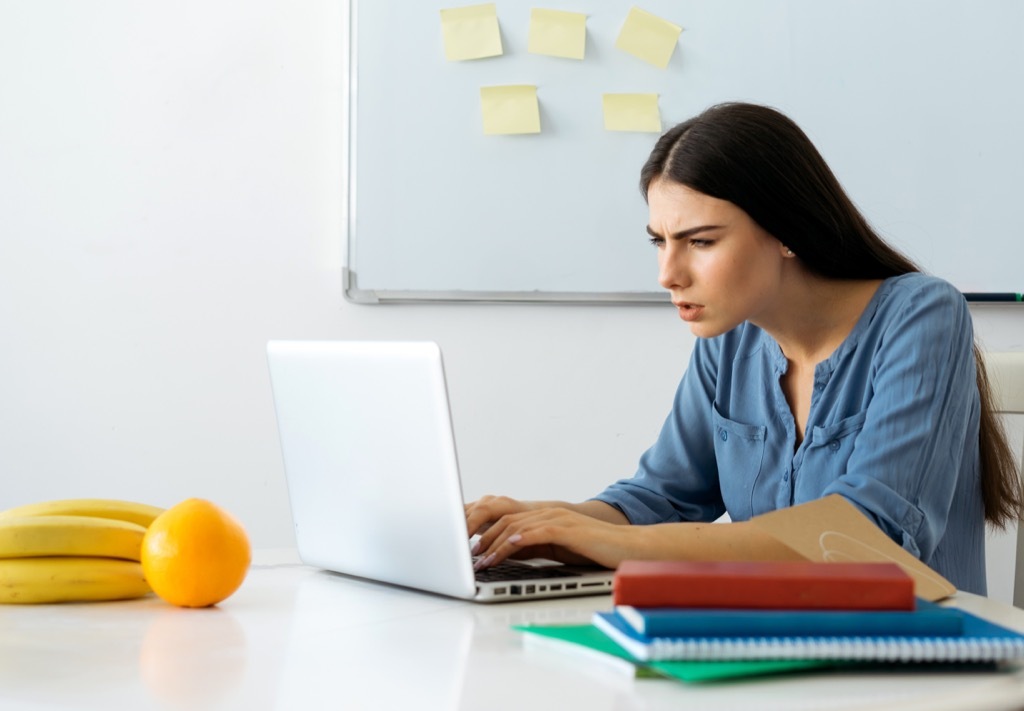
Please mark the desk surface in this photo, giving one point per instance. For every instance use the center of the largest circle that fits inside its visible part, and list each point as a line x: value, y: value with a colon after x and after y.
x: 298, y: 638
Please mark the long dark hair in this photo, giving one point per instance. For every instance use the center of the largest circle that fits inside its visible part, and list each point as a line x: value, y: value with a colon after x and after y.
x: 759, y: 160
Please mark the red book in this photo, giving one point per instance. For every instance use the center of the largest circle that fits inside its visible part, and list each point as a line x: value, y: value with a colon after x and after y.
x: 763, y: 585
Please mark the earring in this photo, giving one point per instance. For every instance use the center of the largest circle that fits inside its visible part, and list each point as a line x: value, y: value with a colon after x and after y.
x: 789, y: 252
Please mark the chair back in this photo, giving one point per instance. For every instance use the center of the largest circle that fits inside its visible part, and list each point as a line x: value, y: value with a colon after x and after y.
x: 1006, y: 374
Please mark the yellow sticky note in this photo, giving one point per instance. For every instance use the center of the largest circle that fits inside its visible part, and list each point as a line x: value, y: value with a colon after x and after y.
x: 648, y: 37
x: 557, y: 33
x: 631, y: 112
x: 471, y: 32
x: 510, y: 109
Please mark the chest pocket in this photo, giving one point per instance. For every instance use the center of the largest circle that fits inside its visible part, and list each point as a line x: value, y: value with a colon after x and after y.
x: 739, y: 451
x: 827, y: 453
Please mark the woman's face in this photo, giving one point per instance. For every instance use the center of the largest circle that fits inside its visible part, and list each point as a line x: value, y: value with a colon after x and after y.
x: 720, y: 266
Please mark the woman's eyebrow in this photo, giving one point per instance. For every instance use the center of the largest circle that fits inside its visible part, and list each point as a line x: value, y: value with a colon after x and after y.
x: 685, y: 234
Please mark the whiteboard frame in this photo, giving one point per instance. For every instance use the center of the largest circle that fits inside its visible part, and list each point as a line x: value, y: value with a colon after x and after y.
x: 355, y: 295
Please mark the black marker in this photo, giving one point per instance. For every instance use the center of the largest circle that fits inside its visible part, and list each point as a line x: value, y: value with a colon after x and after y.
x: 994, y: 296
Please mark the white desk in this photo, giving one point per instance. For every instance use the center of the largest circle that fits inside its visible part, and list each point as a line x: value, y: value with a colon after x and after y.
x: 297, y: 638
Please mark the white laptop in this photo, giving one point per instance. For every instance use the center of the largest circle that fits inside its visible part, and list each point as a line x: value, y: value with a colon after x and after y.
x: 373, y: 476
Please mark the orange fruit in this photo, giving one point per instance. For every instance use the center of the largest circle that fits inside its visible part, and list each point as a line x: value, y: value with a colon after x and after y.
x: 195, y: 554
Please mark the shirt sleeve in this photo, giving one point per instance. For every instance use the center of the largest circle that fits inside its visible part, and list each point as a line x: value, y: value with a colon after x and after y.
x: 921, y: 423
x: 677, y: 478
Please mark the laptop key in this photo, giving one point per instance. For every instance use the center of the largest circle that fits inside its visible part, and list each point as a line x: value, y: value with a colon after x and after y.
x: 513, y: 571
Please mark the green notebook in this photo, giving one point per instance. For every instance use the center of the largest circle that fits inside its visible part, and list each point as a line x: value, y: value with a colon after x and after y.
x: 591, y: 638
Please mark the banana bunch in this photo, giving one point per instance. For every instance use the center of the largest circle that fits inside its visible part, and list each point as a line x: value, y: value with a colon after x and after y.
x: 73, y: 550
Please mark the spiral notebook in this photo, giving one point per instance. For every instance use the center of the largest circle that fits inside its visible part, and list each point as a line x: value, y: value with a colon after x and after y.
x: 981, y: 641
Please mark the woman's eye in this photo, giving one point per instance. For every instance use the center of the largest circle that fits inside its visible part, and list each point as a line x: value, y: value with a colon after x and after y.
x: 657, y: 241
x: 698, y: 243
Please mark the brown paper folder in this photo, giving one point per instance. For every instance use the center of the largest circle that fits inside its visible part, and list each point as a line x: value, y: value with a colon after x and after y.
x: 833, y: 530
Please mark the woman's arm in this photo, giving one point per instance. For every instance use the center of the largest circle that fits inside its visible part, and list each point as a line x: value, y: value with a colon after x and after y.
x: 911, y: 462
x: 677, y: 480
x: 571, y: 536
x: 677, y: 477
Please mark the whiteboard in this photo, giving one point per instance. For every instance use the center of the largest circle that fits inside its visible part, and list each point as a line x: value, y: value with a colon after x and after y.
x: 916, y: 104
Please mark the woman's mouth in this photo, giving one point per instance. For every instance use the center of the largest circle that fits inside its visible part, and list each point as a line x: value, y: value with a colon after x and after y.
x: 689, y: 312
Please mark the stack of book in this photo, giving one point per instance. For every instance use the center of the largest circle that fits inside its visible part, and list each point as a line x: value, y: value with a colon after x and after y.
x: 783, y: 610
x: 777, y: 616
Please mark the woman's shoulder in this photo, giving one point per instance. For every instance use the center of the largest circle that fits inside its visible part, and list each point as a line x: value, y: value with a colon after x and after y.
x: 918, y: 306
x: 916, y: 296
x: 916, y: 286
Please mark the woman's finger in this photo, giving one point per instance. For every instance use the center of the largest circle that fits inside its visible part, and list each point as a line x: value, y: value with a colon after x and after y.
x: 513, y: 533
x: 488, y: 509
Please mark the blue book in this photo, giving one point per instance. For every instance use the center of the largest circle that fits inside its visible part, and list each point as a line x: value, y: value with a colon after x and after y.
x: 980, y: 641
x: 928, y: 619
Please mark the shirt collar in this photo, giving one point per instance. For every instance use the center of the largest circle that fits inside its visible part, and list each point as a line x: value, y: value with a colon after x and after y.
x: 823, y: 371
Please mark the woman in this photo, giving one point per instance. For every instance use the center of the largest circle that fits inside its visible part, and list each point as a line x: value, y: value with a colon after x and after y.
x: 825, y: 364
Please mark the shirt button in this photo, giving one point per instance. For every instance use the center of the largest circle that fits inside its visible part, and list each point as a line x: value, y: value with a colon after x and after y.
x: 834, y: 446
x: 819, y: 386
x: 723, y: 435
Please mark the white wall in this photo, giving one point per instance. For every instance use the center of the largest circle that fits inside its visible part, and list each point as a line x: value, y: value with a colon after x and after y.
x: 171, y: 197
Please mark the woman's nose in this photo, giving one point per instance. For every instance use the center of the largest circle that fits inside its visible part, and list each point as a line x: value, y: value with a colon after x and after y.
x: 671, y: 270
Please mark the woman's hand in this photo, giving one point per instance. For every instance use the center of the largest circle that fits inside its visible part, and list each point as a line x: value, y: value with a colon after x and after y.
x: 531, y: 529
x: 480, y: 514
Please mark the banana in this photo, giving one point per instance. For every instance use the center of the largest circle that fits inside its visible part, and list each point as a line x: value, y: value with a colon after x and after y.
x: 30, y: 536
x: 142, y: 514
x: 66, y: 579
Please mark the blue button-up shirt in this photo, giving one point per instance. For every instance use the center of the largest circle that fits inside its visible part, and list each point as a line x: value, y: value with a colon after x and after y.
x: 893, y: 427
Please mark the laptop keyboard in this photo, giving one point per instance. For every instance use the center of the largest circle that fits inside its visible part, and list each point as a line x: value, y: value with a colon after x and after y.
x: 507, y: 570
